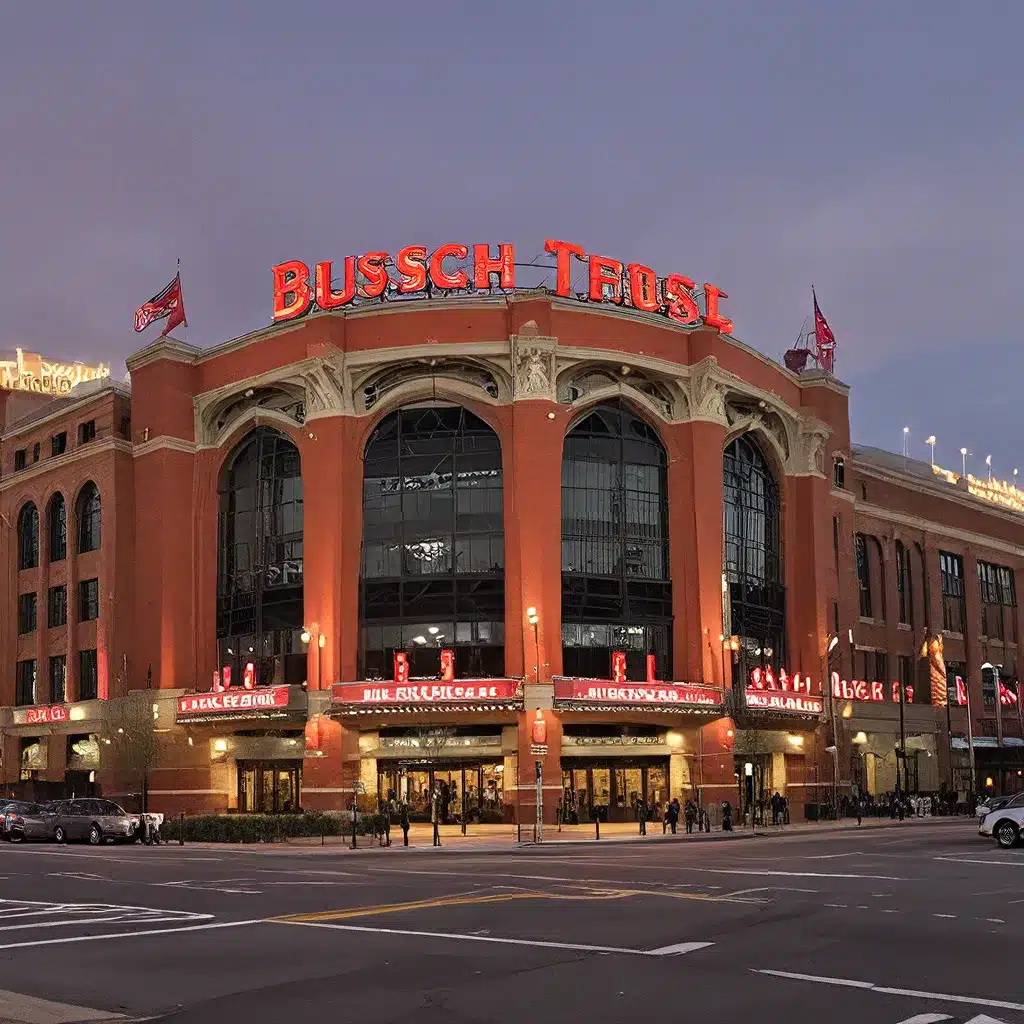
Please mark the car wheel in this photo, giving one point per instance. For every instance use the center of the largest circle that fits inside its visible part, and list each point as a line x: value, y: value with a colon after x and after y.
x: 95, y: 835
x: 1006, y: 834
x: 14, y: 837
x: 58, y: 834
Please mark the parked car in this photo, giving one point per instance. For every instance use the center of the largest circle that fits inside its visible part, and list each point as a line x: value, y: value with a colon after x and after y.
x: 1005, y: 823
x: 20, y: 819
x: 92, y: 820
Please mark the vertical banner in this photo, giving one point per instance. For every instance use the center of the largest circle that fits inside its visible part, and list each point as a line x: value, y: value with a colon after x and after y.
x: 932, y: 650
x: 651, y: 670
x: 249, y: 676
x: 961, y: 692
x: 226, y: 678
x: 447, y: 666
x: 618, y: 667
x: 216, y: 681
x: 401, y: 667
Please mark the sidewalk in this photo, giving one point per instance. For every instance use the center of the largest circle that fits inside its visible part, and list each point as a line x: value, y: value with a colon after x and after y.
x: 504, y: 838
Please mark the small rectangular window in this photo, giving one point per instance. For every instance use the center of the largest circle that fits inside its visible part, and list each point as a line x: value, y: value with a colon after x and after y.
x: 88, y: 678
x: 59, y: 443
x: 839, y: 473
x: 25, y: 692
x: 835, y: 540
x: 58, y: 679
x: 86, y: 432
x: 20, y: 458
x: 57, y: 606
x: 88, y: 600
x: 35, y: 452
x: 27, y: 612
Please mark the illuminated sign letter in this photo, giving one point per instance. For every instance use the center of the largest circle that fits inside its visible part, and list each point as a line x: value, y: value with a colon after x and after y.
x: 439, y: 276
x: 447, y: 666
x: 712, y: 317
x: 562, y: 252
x: 327, y: 299
x: 679, y: 301
x: 292, y: 294
x: 618, y: 666
x: 605, y: 271
x: 411, y: 263
x: 371, y: 266
x: 643, y: 288
x: 504, y: 266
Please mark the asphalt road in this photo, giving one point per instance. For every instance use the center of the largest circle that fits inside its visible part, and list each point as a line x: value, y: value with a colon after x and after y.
x: 877, y: 926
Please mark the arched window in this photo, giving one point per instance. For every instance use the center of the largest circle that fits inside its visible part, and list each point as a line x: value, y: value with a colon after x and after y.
x: 904, y: 584
x: 259, y: 565
x: 756, y: 597
x: 87, y: 516
x: 57, y: 528
x: 616, y: 588
x: 433, y: 572
x: 28, y: 536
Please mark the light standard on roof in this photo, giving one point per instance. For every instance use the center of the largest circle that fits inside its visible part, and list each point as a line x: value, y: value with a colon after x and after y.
x: 988, y: 462
x: 906, y: 441
x: 963, y: 460
x: 930, y: 441
x: 533, y: 619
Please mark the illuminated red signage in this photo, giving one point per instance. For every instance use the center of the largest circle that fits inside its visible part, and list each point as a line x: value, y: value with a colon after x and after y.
x: 780, y: 700
x: 470, y: 690
x: 376, y: 275
x: 273, y: 697
x: 401, y: 667
x: 873, y: 692
x: 600, y: 691
x: 46, y: 715
x: 447, y: 666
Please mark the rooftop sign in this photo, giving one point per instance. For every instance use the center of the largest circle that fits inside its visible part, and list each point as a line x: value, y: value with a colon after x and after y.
x: 29, y: 371
x: 450, y: 268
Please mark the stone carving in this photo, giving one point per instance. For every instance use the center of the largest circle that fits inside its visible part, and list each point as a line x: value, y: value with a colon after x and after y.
x: 811, y: 459
x: 534, y: 368
x: 708, y: 397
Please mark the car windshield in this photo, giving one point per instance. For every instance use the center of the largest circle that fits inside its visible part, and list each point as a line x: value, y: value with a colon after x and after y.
x: 20, y: 807
x: 1017, y: 801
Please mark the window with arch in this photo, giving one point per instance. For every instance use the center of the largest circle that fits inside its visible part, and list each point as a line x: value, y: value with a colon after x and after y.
x: 28, y: 536
x: 433, y: 568
x: 904, y: 584
x: 87, y: 518
x: 57, y: 528
x: 754, y: 594
x: 616, y: 584
x: 260, y: 561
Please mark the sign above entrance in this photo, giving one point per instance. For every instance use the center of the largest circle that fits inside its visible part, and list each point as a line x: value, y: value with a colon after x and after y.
x: 603, y: 692
x: 41, y: 715
x: 412, y: 271
x: 467, y: 691
x: 273, y: 698
x: 780, y: 700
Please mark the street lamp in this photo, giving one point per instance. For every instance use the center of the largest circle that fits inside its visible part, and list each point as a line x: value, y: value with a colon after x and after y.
x: 963, y: 460
x: 930, y: 441
x: 533, y: 619
x: 988, y: 462
x: 906, y: 440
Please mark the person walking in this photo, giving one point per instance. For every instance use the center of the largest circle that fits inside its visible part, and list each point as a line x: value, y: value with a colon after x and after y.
x: 672, y: 814
x: 691, y: 814
x: 641, y: 814
x: 435, y: 811
x: 860, y: 809
x: 403, y: 821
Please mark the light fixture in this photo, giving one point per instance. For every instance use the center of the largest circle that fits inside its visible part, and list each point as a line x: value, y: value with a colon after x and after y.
x: 120, y: 731
x: 861, y: 738
x: 322, y: 641
x: 433, y: 630
x: 930, y: 441
x: 304, y: 636
x: 748, y: 769
x: 796, y: 740
x: 833, y: 644
x: 220, y: 746
x: 419, y: 639
x: 551, y: 415
x: 531, y: 612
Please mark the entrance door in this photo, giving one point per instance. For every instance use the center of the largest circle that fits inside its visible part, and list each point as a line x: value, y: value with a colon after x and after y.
x: 269, y: 787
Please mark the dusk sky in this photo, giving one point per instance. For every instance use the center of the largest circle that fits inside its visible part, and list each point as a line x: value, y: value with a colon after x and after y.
x: 872, y: 150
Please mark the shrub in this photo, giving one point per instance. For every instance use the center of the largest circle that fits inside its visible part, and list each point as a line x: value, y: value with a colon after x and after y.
x: 253, y: 828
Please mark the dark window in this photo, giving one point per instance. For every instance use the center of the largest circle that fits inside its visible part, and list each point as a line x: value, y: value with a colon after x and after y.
x: 57, y: 528
x: 998, y: 602
x: 86, y: 432
x: 904, y: 584
x: 28, y: 605
x: 835, y: 541
x: 860, y: 551
x: 951, y: 577
x: 839, y: 472
x: 905, y: 673
x: 126, y: 427
x: 753, y: 556
x: 989, y: 677
x: 433, y: 570
x: 874, y: 666
x: 35, y: 452
x: 59, y: 443
x: 28, y: 537
x: 25, y: 692
x: 57, y: 606
x: 87, y: 516
x: 259, y: 567
x: 58, y: 679
x: 88, y: 600
x: 88, y: 678
x: 20, y: 458
x: 954, y: 669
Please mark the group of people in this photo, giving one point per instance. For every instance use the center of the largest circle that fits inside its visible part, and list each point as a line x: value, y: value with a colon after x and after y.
x: 899, y: 805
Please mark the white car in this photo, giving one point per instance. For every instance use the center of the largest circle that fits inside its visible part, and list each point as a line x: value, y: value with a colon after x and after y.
x: 1005, y: 824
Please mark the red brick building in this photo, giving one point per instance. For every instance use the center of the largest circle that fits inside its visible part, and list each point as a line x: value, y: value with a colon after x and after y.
x: 626, y: 550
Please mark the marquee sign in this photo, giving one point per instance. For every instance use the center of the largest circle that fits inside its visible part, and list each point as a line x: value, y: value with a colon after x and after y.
x: 469, y: 691
x: 43, y: 715
x: 412, y: 270
x: 270, y: 699
x: 784, y: 692
x: 873, y: 692
x: 29, y: 371
x: 601, y: 691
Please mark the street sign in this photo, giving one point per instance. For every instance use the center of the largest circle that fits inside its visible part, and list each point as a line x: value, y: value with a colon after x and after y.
x: 359, y: 788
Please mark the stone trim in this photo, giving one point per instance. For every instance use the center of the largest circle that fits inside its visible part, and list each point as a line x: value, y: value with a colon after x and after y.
x: 166, y: 348
x: 165, y: 442
x: 78, y: 454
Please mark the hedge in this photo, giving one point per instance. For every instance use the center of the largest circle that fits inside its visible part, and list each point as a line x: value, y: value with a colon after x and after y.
x: 264, y: 828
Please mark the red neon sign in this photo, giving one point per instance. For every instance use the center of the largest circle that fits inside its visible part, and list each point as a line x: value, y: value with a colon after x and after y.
x: 602, y: 691
x: 425, y: 693
x: 447, y: 666
x: 373, y: 274
x: 401, y: 667
x: 765, y: 679
x: 618, y: 667
x: 872, y: 692
x: 240, y: 700
x: 46, y: 715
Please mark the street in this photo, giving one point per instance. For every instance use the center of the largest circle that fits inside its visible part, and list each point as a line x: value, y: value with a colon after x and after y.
x: 878, y: 925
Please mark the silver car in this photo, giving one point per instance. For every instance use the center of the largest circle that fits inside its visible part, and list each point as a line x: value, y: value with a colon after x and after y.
x: 91, y: 820
x: 21, y: 819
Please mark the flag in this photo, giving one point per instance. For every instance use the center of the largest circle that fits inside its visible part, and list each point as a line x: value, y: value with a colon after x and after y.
x: 824, y: 338
x: 167, y: 303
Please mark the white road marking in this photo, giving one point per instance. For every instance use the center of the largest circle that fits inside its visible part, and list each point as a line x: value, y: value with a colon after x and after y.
x: 1001, y: 1004
x: 926, y: 1018
x: 133, y: 935
x: 833, y: 856
x: 762, y: 888
x: 676, y: 950
x: 978, y: 860
x: 951, y: 917
x: 836, y: 906
x: 790, y: 874
x: 995, y: 920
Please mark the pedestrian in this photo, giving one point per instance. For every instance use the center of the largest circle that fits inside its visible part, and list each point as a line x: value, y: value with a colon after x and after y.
x: 641, y: 814
x: 672, y: 814
x: 435, y: 811
x: 403, y: 820
x: 860, y: 809
x: 726, y: 816
x: 384, y: 812
x: 776, y: 808
x: 691, y: 817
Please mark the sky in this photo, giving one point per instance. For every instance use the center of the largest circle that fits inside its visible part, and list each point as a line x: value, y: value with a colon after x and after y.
x: 872, y: 150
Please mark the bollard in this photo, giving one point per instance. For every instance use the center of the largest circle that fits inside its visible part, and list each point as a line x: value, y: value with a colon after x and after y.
x: 181, y: 830
x: 355, y: 816
x: 519, y: 831
x: 597, y: 827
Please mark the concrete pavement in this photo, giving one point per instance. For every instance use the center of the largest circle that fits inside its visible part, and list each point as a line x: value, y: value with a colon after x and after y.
x: 876, y: 925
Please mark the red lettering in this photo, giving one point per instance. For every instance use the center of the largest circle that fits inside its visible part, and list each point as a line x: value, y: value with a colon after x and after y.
x: 411, y: 264
x: 292, y: 294
x: 643, y: 288
x: 249, y: 675
x: 895, y: 692
x: 504, y: 266
x: 909, y: 691
x: 371, y: 266
x: 651, y: 671
x: 447, y: 665
x: 783, y: 679
x: 439, y: 276
x: 678, y: 300
x: 605, y: 271
x: 618, y: 666
x: 562, y: 252
x: 877, y: 693
x: 712, y: 317
x: 325, y: 297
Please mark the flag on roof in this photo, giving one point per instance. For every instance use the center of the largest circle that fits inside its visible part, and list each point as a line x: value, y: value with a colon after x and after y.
x: 167, y: 303
x: 823, y: 337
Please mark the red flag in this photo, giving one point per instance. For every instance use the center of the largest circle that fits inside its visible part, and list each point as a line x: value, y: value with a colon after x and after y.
x: 168, y: 303
x: 824, y: 338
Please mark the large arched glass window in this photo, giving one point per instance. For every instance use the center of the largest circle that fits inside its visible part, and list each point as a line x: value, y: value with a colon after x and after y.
x: 28, y: 536
x: 616, y: 589
x: 755, y: 604
x: 433, y: 572
x: 87, y: 516
x: 259, y: 568
x: 57, y: 528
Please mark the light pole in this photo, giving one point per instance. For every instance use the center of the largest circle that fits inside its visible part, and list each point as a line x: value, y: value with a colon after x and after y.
x: 534, y: 621
x: 930, y: 441
x: 963, y: 460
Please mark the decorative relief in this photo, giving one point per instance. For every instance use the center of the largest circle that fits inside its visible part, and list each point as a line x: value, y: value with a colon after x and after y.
x: 533, y: 358
x: 707, y: 394
x: 810, y: 458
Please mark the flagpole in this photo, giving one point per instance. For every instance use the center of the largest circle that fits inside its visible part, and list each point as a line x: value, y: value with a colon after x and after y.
x: 184, y: 323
